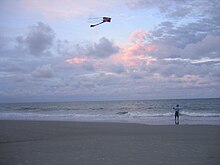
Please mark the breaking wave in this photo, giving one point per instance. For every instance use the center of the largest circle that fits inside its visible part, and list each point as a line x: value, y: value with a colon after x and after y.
x: 199, y: 114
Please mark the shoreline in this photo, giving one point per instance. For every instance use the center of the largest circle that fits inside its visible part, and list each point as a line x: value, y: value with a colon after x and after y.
x: 147, y: 121
x: 69, y: 142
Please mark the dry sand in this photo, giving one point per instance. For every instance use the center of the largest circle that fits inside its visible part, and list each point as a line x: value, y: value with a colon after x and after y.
x: 81, y: 143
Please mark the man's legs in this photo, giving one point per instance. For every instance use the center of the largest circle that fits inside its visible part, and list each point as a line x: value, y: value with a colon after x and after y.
x: 176, y: 118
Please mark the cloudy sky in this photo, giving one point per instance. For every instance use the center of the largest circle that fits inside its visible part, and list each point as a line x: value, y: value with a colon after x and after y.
x: 151, y: 50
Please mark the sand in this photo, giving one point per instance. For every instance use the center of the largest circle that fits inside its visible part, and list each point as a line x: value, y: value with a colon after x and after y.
x: 81, y: 143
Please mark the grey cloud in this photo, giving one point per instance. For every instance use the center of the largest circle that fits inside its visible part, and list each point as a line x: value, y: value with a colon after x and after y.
x: 177, y: 8
x: 180, y: 36
x: 205, y: 47
x: 44, y: 71
x: 13, y: 67
x: 88, y: 66
x: 137, y: 75
x: 172, y: 8
x: 136, y: 4
x: 103, y: 49
x: 7, y: 45
x: 118, y: 68
x: 3, y: 42
x: 38, y: 41
x: 64, y: 47
x: 208, y: 47
x: 215, y: 72
x: 179, y: 69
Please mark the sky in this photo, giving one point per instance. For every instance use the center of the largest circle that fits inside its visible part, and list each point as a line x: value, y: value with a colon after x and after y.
x: 150, y: 50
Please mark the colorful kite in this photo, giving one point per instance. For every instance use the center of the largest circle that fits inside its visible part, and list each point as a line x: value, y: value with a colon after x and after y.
x: 104, y: 19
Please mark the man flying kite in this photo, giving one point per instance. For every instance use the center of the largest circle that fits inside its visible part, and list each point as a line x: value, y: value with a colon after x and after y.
x: 104, y: 19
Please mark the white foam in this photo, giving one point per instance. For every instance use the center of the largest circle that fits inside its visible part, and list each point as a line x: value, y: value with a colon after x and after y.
x: 199, y: 114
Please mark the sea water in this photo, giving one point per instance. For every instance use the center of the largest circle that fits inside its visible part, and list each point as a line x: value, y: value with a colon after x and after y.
x: 154, y: 112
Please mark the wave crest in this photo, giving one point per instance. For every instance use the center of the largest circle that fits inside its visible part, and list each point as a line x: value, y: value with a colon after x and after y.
x: 199, y: 114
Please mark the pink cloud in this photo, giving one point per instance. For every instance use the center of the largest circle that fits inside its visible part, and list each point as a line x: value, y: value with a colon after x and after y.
x: 77, y: 60
x: 138, y: 51
x: 139, y: 36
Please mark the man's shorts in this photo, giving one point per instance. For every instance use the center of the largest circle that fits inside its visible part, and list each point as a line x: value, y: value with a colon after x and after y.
x: 176, y: 114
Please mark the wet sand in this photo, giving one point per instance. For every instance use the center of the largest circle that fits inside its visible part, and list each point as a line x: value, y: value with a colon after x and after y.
x: 82, y: 143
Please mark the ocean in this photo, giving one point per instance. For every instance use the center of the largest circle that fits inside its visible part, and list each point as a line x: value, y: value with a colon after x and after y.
x: 153, y: 112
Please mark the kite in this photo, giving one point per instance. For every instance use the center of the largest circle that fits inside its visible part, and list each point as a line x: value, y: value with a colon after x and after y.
x: 104, y: 19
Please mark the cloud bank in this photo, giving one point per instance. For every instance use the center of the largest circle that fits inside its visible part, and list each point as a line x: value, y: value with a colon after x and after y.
x: 178, y: 58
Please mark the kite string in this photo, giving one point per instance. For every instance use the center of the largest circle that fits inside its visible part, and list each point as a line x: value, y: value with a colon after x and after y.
x: 95, y: 19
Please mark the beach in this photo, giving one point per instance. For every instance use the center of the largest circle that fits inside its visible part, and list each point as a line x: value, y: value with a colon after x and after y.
x: 83, y: 143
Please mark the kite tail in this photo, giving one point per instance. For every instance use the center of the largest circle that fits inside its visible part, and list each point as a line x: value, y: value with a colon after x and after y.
x: 97, y: 24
